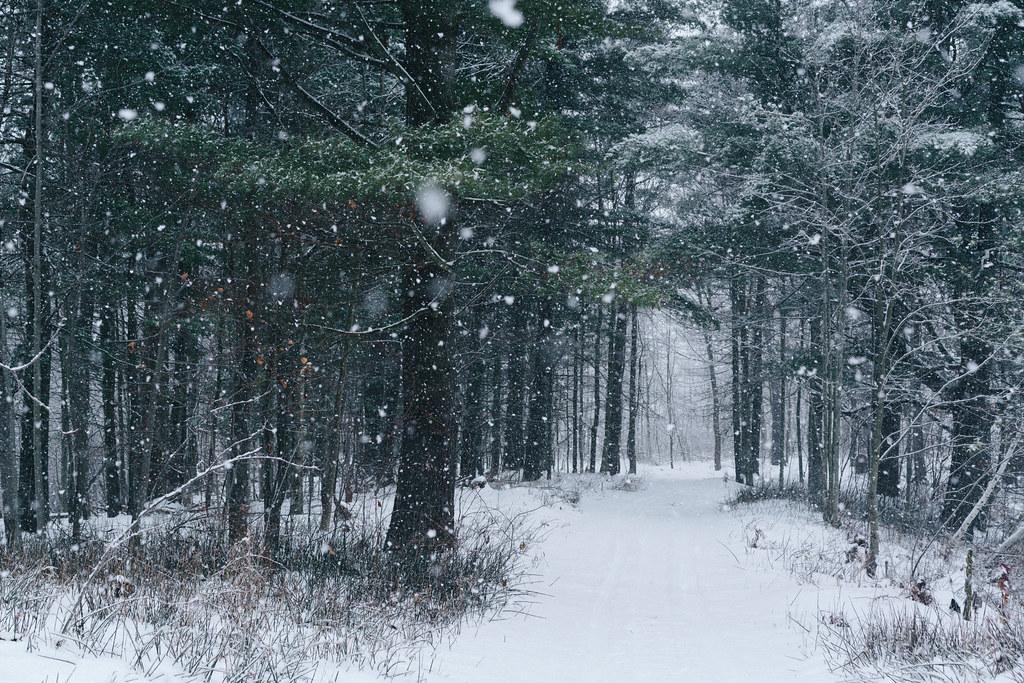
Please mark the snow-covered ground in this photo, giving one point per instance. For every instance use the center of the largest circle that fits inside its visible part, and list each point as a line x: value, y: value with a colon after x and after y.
x: 48, y: 664
x: 649, y: 579
x: 648, y: 585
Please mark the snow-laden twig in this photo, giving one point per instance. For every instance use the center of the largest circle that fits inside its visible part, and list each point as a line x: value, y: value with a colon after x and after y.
x: 34, y: 359
x: 993, y: 484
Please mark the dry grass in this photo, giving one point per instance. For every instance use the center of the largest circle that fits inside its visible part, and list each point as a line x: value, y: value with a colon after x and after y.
x: 910, y: 643
x: 230, y: 614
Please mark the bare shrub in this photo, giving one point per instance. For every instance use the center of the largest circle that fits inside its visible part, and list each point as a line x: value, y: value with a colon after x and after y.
x: 911, y: 643
x: 765, y: 490
x: 185, y: 596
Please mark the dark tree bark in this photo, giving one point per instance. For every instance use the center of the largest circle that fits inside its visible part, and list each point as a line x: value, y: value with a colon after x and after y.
x: 278, y: 445
x: 108, y: 389
x: 33, y: 473
x: 747, y: 381
x: 37, y: 418
x: 8, y: 453
x: 297, y: 462
x: 496, y: 418
x: 181, y: 440
x: 716, y: 401
x: 66, y: 481
x: 471, y: 437
x: 972, y: 415
x: 538, y: 440
x: 917, y: 468
x: 973, y: 280
x: 969, y: 467
x: 889, y: 463
x: 576, y: 390
x: 860, y: 448
x: 379, y: 408
x: 515, y: 408
x: 737, y: 342
x: 238, y: 475
x: 610, y: 452
x: 131, y: 400
x: 159, y: 305
x: 778, y: 403
x: 34, y: 470
x: 424, y: 497
x: 592, y: 467
x: 634, y: 392
x: 799, y: 437
x: 330, y: 440
x: 78, y: 373
x: 815, y: 419
x: 423, y: 513
x: 755, y: 385
x: 333, y: 442
x: 241, y: 395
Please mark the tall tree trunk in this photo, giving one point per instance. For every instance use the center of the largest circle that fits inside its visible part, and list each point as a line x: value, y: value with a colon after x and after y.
x: 778, y: 401
x: 576, y: 388
x: 833, y: 314
x: 538, y: 449
x: 915, y: 451
x: 755, y: 382
x: 798, y: 413
x: 212, y: 420
x: 972, y: 415
x: 8, y: 453
x: 515, y: 440
x: 423, y: 513
x: 972, y: 420
x: 424, y: 497
x: 889, y: 466
x: 669, y: 403
x: 241, y: 395
x: 297, y: 462
x: 880, y: 442
x: 79, y: 404
x: 180, y: 438
x: 592, y: 467
x: 496, y: 418
x: 154, y: 352
x: 634, y: 393
x: 815, y: 418
x: 737, y: 340
x: 610, y: 453
x: 108, y: 389
x: 66, y: 482
x: 334, y: 447
x: 472, y: 437
x: 331, y: 447
x: 39, y: 426
x: 716, y: 407
x: 131, y: 400
x: 277, y: 444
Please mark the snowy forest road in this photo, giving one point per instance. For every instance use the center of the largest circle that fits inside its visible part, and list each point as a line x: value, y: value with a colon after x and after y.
x: 647, y: 585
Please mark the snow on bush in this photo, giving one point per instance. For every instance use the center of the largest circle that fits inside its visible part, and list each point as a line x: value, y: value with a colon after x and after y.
x: 233, y: 614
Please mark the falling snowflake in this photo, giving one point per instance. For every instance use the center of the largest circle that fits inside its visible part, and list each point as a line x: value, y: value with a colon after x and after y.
x: 433, y: 203
x: 506, y: 11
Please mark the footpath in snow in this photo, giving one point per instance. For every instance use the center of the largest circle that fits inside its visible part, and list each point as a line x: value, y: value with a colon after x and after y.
x: 649, y: 585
